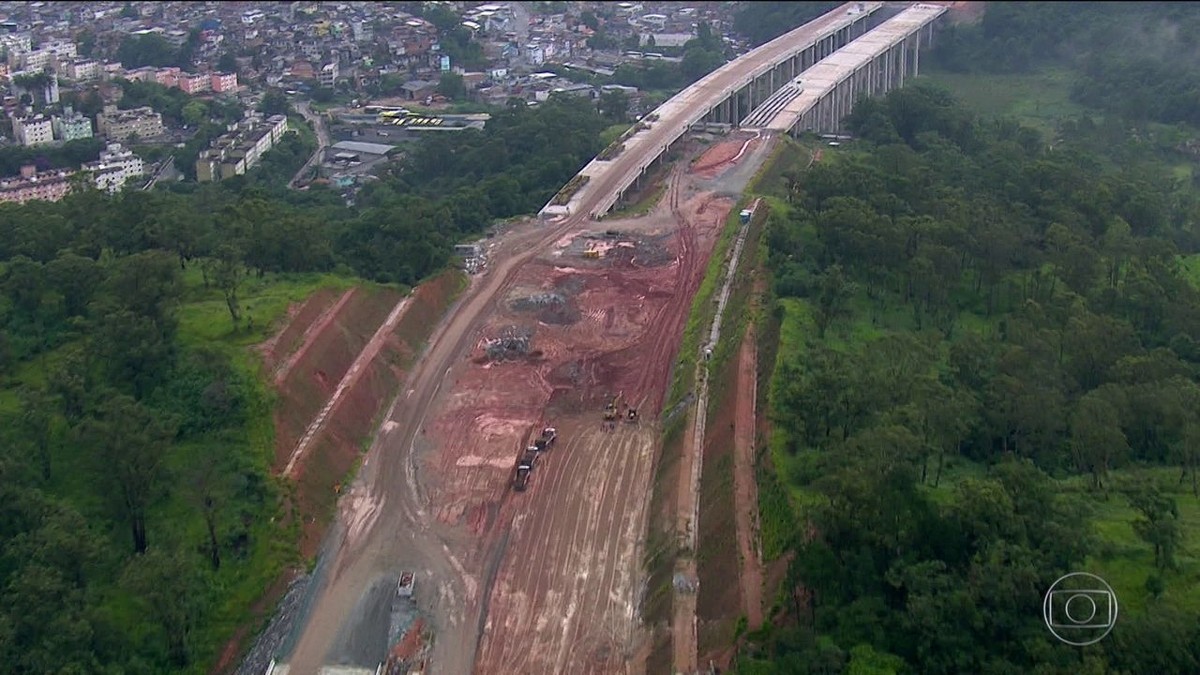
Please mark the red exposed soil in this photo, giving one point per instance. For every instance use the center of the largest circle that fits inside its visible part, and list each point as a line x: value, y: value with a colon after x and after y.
x: 564, y: 597
x: 326, y: 359
x: 718, y: 603
x: 722, y: 155
x: 299, y: 317
x: 320, y: 341
x: 336, y: 449
x: 745, y: 487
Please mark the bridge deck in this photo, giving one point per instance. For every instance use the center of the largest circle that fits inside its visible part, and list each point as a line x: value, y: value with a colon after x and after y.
x: 819, y: 80
x: 607, y: 179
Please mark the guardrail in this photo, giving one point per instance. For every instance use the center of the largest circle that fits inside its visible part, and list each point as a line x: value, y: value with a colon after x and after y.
x: 786, y: 46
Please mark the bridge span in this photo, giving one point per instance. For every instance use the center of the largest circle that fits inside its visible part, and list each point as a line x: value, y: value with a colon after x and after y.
x: 820, y: 99
x: 723, y: 96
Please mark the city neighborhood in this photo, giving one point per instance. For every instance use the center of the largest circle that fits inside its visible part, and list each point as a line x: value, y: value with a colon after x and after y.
x: 377, y: 75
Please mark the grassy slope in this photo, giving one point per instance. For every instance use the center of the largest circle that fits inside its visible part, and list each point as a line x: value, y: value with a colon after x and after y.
x: 204, y: 321
x: 1038, y: 100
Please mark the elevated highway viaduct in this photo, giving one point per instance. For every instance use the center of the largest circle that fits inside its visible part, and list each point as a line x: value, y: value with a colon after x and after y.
x: 820, y: 99
x: 723, y: 96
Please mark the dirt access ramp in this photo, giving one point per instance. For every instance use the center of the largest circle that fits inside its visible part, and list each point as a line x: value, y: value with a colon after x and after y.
x: 596, y: 317
x: 346, y: 369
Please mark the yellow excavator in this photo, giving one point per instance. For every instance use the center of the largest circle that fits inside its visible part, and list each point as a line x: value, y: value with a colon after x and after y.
x: 610, y: 410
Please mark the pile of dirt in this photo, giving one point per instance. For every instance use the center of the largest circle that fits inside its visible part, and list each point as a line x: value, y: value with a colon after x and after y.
x: 513, y: 343
x: 648, y: 252
x: 550, y: 308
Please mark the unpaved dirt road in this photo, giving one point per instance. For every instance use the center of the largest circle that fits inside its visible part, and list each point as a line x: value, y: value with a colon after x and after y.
x: 399, y: 532
x: 402, y: 536
x: 564, y: 598
x: 745, y: 489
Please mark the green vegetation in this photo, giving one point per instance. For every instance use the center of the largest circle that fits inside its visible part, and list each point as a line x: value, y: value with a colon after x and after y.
x: 761, y: 22
x: 1040, y: 99
x: 140, y: 519
x: 67, y: 156
x: 154, y: 50
x: 986, y: 380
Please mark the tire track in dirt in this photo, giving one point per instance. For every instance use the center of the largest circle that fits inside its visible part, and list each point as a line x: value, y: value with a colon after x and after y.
x: 595, y: 600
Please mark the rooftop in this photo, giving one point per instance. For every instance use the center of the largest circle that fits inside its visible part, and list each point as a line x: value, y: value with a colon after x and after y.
x: 364, y: 148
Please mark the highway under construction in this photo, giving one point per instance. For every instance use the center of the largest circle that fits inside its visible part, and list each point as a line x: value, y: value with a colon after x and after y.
x: 512, y: 474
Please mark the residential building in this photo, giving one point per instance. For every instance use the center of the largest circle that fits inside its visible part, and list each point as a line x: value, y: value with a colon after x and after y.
x: 31, y: 131
x: 168, y: 77
x: 176, y: 37
x: 328, y: 75
x: 222, y: 83
x: 119, y: 125
x: 194, y: 84
x: 237, y: 152
x: 71, y: 126
x: 48, y: 55
x: 115, y: 166
x: 82, y: 70
x: 417, y: 90
x: 49, y: 186
x: 362, y: 31
x: 16, y: 42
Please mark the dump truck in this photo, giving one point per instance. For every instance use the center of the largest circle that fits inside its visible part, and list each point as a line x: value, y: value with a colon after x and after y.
x: 745, y: 215
x: 549, y: 435
x: 524, y: 468
x: 406, y: 584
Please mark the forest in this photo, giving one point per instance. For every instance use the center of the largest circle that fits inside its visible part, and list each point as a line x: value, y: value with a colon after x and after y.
x: 1137, y: 60
x: 139, y: 521
x: 997, y: 376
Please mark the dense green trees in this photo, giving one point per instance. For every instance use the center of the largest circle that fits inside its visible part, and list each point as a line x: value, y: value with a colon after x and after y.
x: 761, y: 22
x: 132, y: 502
x: 137, y: 51
x: 1130, y: 59
x: 977, y: 299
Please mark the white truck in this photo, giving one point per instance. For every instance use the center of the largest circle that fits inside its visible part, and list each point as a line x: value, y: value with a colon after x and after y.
x: 404, y: 587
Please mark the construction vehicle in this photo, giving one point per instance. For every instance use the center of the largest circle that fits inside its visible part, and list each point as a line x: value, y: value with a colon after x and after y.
x: 610, y: 410
x: 546, y: 440
x: 524, y: 468
x: 632, y: 416
x: 406, y: 584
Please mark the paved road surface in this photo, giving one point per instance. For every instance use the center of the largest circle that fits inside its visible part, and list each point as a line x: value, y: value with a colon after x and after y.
x: 318, y: 122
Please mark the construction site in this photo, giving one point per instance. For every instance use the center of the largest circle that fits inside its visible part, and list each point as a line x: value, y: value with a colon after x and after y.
x: 583, y: 338
x: 532, y: 455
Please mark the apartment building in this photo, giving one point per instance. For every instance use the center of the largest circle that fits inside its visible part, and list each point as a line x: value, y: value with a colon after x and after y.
x: 237, y: 152
x: 48, y: 55
x: 35, y: 130
x: 16, y: 42
x: 194, y: 84
x: 71, y: 126
x: 49, y: 186
x: 119, y: 125
x: 82, y: 71
x: 223, y: 83
x: 328, y: 75
x: 115, y: 166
